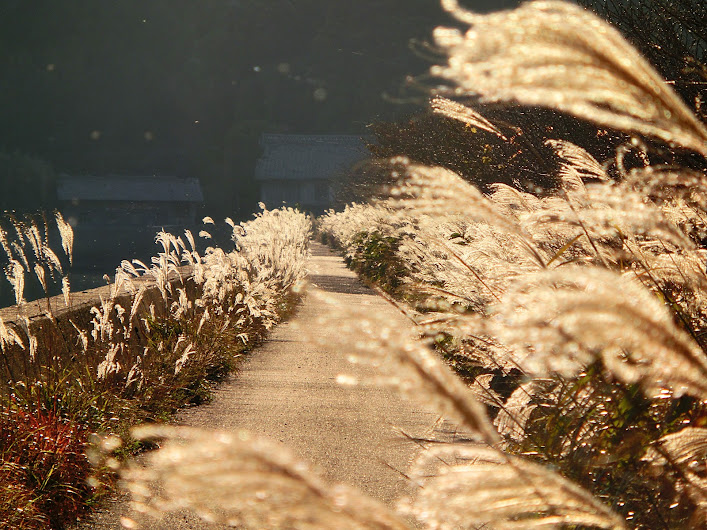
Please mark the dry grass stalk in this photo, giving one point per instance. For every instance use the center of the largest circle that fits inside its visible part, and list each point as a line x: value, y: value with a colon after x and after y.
x: 564, y: 318
x: 245, y: 481
x: 441, y: 193
x: 555, y: 54
x: 403, y: 362
x: 684, y: 451
x: 465, y: 486
x: 457, y: 111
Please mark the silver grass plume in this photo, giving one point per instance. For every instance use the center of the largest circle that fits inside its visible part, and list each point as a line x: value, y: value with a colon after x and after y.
x: 565, y: 318
x: 8, y: 336
x: 45, y: 232
x: 20, y: 254
x: 130, y: 269
x: 439, y: 193
x: 471, y: 486
x: 135, y: 305
x: 558, y: 55
x: 245, y: 481
x: 459, y: 275
x: 136, y: 376
x: 685, y: 450
x: 184, y: 358
x: 5, y: 243
x: 101, y: 321
x: 66, y: 290
x: 191, y: 256
x: 52, y: 261
x: 41, y: 276
x: 513, y: 417
x: 67, y: 236
x: 608, y: 207
x: 32, y: 341
x: 34, y: 237
x: 15, y: 274
x: 190, y: 239
x: 457, y: 111
x: 661, y: 267
x: 686, y: 447
x: 578, y: 160
x: 514, y: 199
x: 407, y: 364
x: 19, y: 228
x: 109, y: 366
x: 602, y: 212
x: 82, y: 336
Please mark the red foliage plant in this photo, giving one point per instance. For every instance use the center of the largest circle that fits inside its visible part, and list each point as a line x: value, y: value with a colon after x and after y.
x: 43, y: 469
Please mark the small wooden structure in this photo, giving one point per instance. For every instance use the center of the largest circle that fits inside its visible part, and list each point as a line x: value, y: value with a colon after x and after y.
x: 298, y: 169
x: 117, y: 217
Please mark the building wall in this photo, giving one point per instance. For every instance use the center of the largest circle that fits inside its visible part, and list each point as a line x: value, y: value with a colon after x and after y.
x: 117, y: 213
x: 313, y: 193
x: 107, y: 232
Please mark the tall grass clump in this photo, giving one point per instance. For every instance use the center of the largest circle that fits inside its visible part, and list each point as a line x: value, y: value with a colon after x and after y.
x: 575, y: 319
x: 161, y: 336
x: 575, y: 316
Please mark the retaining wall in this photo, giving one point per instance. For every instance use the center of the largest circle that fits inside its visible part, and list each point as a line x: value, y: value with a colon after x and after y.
x: 54, y: 324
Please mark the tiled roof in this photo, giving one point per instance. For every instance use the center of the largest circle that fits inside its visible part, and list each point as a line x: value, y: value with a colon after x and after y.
x: 305, y: 157
x: 129, y: 188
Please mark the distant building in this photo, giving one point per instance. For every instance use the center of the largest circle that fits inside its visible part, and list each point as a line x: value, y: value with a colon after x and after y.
x: 301, y: 169
x: 117, y: 217
x: 129, y: 200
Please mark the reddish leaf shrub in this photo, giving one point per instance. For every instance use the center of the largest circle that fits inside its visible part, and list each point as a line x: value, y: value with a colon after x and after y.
x: 43, y: 469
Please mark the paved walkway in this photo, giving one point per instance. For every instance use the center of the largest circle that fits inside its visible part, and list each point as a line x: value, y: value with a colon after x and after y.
x: 287, y: 391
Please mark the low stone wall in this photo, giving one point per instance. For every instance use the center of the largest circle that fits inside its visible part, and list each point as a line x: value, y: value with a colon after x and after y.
x: 54, y: 323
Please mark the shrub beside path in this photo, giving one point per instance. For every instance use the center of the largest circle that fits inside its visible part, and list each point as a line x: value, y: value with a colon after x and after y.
x: 287, y: 390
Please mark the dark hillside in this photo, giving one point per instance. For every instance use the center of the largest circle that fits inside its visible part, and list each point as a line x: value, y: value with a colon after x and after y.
x: 176, y: 87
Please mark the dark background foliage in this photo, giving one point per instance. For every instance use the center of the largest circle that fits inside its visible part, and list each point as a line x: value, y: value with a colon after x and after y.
x: 169, y: 87
x: 180, y: 87
x: 672, y: 35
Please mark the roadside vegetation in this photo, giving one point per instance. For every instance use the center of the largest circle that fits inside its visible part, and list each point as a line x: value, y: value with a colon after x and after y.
x: 573, y: 314
x: 163, y: 334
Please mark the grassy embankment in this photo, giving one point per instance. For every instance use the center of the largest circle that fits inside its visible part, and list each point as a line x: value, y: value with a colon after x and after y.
x: 576, y: 316
x: 159, y: 340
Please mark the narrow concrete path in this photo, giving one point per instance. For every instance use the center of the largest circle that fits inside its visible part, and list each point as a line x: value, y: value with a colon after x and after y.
x: 287, y: 391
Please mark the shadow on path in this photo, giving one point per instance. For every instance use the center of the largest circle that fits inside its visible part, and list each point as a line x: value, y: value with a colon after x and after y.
x: 338, y: 284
